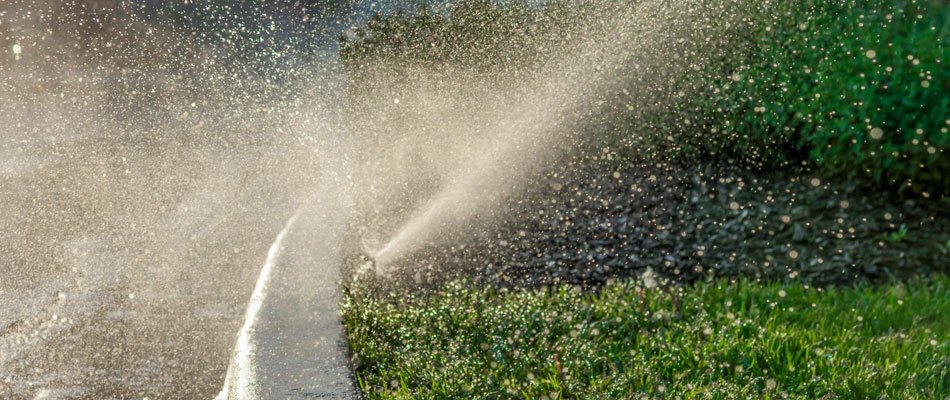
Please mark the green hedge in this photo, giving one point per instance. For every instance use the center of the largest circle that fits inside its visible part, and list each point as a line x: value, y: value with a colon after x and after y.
x: 470, y: 33
x: 855, y: 87
x: 858, y: 86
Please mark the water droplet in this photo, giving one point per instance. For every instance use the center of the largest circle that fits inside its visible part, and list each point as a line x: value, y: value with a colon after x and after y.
x: 877, y: 133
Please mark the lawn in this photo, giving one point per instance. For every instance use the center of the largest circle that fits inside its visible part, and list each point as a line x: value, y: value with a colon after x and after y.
x: 636, y: 339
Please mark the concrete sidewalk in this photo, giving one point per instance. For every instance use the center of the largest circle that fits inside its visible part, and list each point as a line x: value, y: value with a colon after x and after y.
x: 295, y: 347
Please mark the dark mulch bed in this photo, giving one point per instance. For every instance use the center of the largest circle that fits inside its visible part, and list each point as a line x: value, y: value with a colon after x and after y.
x: 689, y: 223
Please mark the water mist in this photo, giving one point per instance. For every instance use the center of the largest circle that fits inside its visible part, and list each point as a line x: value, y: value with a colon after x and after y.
x: 524, y: 138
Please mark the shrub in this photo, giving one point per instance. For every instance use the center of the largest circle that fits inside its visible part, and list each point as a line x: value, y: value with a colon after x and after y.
x: 477, y: 34
x: 855, y: 87
x: 858, y: 86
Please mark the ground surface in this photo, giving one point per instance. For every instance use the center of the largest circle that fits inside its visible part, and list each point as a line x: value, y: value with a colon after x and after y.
x: 295, y: 346
x: 130, y: 245
x: 614, y: 220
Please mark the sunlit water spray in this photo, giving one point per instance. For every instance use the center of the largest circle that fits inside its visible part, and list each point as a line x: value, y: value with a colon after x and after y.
x: 654, y: 44
x: 142, y: 171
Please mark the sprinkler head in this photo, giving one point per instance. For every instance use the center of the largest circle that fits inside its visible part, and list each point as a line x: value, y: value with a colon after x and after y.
x: 371, y: 261
x: 366, y: 255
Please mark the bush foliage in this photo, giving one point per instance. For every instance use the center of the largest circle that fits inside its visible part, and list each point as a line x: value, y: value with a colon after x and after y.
x: 855, y: 87
x: 473, y: 33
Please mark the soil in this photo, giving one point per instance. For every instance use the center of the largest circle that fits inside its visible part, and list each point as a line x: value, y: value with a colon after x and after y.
x: 688, y: 223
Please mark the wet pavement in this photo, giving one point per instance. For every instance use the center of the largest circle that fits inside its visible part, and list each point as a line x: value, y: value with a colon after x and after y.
x: 292, y: 345
x: 129, y: 252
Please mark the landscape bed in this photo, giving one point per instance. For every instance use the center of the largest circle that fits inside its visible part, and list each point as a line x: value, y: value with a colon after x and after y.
x: 635, y: 339
x: 789, y: 185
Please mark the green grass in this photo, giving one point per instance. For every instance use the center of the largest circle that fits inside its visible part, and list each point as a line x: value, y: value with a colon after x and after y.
x: 715, y: 340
